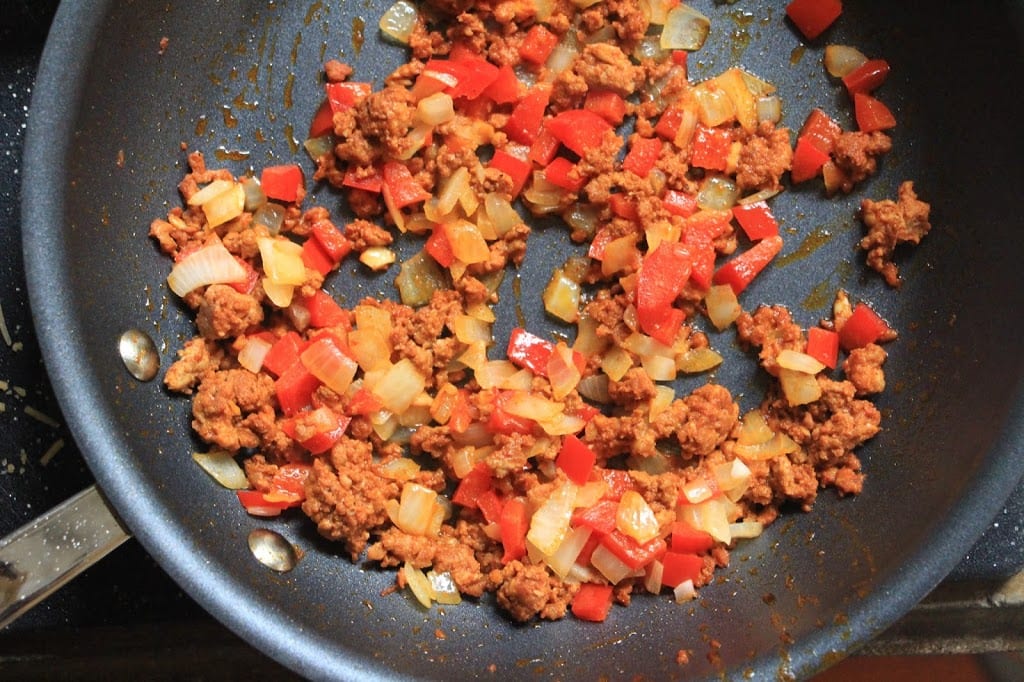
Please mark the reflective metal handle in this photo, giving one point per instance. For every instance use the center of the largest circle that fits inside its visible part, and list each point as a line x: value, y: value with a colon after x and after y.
x: 43, y: 555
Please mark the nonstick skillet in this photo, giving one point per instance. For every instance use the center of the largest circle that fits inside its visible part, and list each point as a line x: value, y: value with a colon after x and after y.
x: 239, y: 80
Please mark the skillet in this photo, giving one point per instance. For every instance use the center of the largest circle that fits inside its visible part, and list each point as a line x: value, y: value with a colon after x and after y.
x: 241, y: 77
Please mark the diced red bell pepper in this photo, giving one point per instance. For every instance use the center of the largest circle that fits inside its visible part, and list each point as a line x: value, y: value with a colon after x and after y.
x: 515, y: 523
x: 607, y: 104
x: 864, y: 326
x: 439, y: 248
x: 403, y: 187
x: 334, y: 242
x: 472, y: 485
x: 592, y: 602
x: 316, y: 430
x: 532, y: 352
x: 741, y: 270
x: 686, y: 538
x: 472, y: 74
x: 679, y: 203
x: 537, y: 45
x: 623, y: 206
x: 255, y: 503
x: 490, y: 505
x: 360, y: 180
x: 823, y: 346
x: 516, y: 168
x: 807, y: 160
x: 289, y: 482
x: 544, y: 148
x: 505, y: 423
x: 871, y: 114
x: 617, y: 480
x: 558, y: 173
x: 679, y: 57
x: 678, y: 567
x: 462, y: 49
x: 579, y: 129
x: 711, y: 148
x: 668, y: 124
x: 866, y: 77
x: 284, y: 353
x: 643, y: 154
x: 323, y: 120
x: 700, y: 232
x: 524, y: 124
x: 820, y: 130
x: 345, y: 95
x: 812, y: 17
x: 282, y: 182
x: 631, y: 552
x: 294, y: 388
x: 662, y: 277
x: 576, y: 459
x: 363, y: 402
x: 757, y: 220
x: 462, y: 414
x: 324, y: 311
x: 246, y: 284
x: 316, y: 258
x: 600, y: 517
x: 505, y: 88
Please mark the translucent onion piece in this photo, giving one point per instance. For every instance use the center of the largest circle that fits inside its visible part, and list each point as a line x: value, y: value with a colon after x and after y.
x: 563, y: 55
x: 370, y: 348
x: 595, y: 388
x: 562, y: 371
x: 398, y: 22
x: 635, y: 517
x: 714, y: 106
x: 531, y: 406
x: 758, y: 86
x: 732, y: 478
x: 452, y: 188
x: 298, y: 314
x: 685, y: 29
x: 252, y: 354
x: 254, y: 196
x: 663, y: 397
x: 769, y: 108
x: 399, y: 386
x: 520, y: 381
x: 659, y: 368
x: 416, y: 509
x: 762, y: 195
x: 436, y: 109
x: 418, y: 279
x: 646, y: 346
x: 779, y: 444
x: 400, y: 469
x: 733, y: 83
x: 550, y: 523
x: 684, y: 592
x: 564, y: 557
x: 587, y: 341
x: 223, y: 468
x: 562, y: 297
x: 467, y: 243
x: 211, y: 264
x: 463, y: 461
x: 474, y: 356
x: 503, y: 216
x: 656, y: 10
x: 583, y: 4
x: 755, y: 429
x: 698, y: 360
x: 445, y: 590
x: 282, y: 260
x: 469, y: 329
x: 590, y: 493
x: 708, y: 516
x: 543, y: 8
x: 226, y: 206
x: 330, y: 365
x: 494, y: 373
x: 723, y: 306
x: 799, y: 388
x: 840, y: 60
x: 317, y: 147
x: 207, y: 193
x: 418, y: 584
x: 652, y: 581
x: 377, y: 258
x: 746, y: 529
x: 649, y: 48
x: 799, y: 362
x: 698, y: 490
x: 616, y: 362
x: 562, y: 424
x: 270, y: 216
x: 609, y: 565
x: 279, y: 294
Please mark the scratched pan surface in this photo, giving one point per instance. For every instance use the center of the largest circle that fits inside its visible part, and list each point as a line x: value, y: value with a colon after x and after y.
x: 239, y: 80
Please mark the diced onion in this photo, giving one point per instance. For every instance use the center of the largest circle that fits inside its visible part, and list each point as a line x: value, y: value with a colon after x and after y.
x: 698, y: 490
x: 282, y: 260
x: 755, y: 429
x: 279, y: 294
x: 370, y: 349
x: 318, y: 146
x: 635, y: 517
x: 469, y: 329
x: 562, y: 297
x: 377, y: 258
x: 564, y: 557
x: 616, y: 362
x: 659, y: 367
x: 714, y: 105
x: 779, y: 444
x: 708, y: 516
x: 330, y: 365
x: 649, y: 48
x: 550, y: 523
x: 760, y: 195
x: 734, y: 83
x: 684, y: 592
x: 254, y: 196
x: 733, y: 478
x: 445, y: 590
x: 746, y: 529
x: 211, y: 264
x: 223, y: 468
x: 298, y: 314
x: 210, y: 191
x: 562, y: 424
x: 467, y: 243
x: 685, y: 29
x: 840, y: 60
x: 562, y: 371
x: 798, y: 362
x: 270, y: 216
x: 723, y: 306
x: 662, y: 400
x: 503, y: 216
x: 436, y: 109
x: 698, y: 360
x: 494, y: 374
x: 418, y: 584
x: 418, y: 279
x: 656, y: 10
x: 769, y: 108
x: 399, y: 386
x: 400, y: 469
x: 252, y: 354
x: 718, y: 193
x: 531, y: 406
x: 652, y: 581
x: 415, y: 509
x: 609, y: 565
x: 595, y: 387
x: 799, y: 388
x: 226, y: 206
x: 563, y: 55
x: 398, y: 22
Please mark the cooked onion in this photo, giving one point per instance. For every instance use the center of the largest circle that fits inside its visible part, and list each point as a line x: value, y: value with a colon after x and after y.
x: 635, y: 517
x: 708, y: 516
x: 595, y: 387
x: 445, y: 590
x: 254, y: 196
x: 769, y: 108
x: 562, y: 296
x: 436, y: 109
x: 223, y: 468
x: 746, y: 529
x: 330, y: 365
x: 270, y: 216
x: 210, y: 191
x: 211, y: 264
x: 755, y: 429
x: 377, y: 258
x: 550, y: 523
x: 225, y: 206
x: 562, y: 371
x: 609, y: 565
x: 652, y: 581
x: 616, y: 362
x: 723, y: 306
x: 278, y: 294
x: 565, y: 556
x: 799, y: 388
x: 563, y: 55
x: 798, y: 362
x: 399, y: 21
x: 778, y: 445
x: 684, y: 592
x: 282, y: 260
x: 418, y: 279
x: 399, y: 386
x: 252, y: 353
x: 418, y: 584
x: 685, y: 29
x: 840, y: 60
x: 415, y: 509
x: 698, y: 360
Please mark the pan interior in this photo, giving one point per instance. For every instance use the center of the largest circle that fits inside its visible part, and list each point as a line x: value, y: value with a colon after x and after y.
x: 239, y: 81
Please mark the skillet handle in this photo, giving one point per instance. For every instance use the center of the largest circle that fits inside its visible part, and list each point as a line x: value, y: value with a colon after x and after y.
x: 44, y: 554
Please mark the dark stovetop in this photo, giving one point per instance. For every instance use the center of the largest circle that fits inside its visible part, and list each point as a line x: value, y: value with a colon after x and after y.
x: 124, y: 609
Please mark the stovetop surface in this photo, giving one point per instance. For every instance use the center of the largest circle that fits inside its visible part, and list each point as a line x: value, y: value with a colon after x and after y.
x: 128, y: 587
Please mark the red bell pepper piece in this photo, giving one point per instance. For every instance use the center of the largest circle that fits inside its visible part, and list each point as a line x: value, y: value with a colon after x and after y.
x: 439, y: 248
x: 505, y: 87
x: 579, y: 129
x: 823, y: 346
x: 472, y: 485
x: 558, y: 173
x: 618, y: 482
x: 490, y: 505
x: 631, y: 552
x: 403, y: 187
x: 820, y: 130
x: 679, y: 203
x: 284, y: 353
x: 663, y: 274
x: 316, y: 258
x: 294, y: 388
x: 538, y: 44
x: 812, y: 17
x: 471, y: 74
x: 807, y: 160
x: 592, y: 602
x: 368, y: 183
x: 282, y: 182
x: 678, y: 567
x: 668, y: 124
x: 324, y: 311
x: 544, y: 148
x: 246, y: 284
x: 524, y: 124
x: 866, y: 77
x: 864, y: 326
x: 515, y: 523
x: 334, y: 242
x: 607, y: 104
x: 686, y: 538
x: 741, y: 270
x: 871, y: 114
x: 600, y: 517
x: 345, y: 95
x: 462, y: 414
x: 532, y: 352
x: 576, y: 459
x: 700, y: 232
x: 289, y: 481
x: 316, y: 430
x: 599, y: 242
x: 757, y: 220
x: 323, y: 120
x: 516, y: 168
x: 256, y: 504
x: 363, y: 402
x: 711, y: 148
x: 623, y: 206
x: 502, y: 422
x: 643, y: 154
